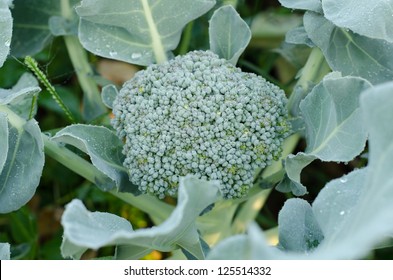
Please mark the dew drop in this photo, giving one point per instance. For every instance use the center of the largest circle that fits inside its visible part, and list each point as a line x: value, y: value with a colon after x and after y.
x: 343, y: 180
x: 7, y: 43
x: 112, y: 53
x: 342, y: 213
x: 136, y: 55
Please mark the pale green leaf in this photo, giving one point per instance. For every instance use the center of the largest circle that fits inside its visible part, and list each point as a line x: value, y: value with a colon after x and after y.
x: 3, y: 139
x: 298, y: 36
x: 179, y: 230
x: 294, y: 165
x: 331, y: 111
x: 104, y: 149
x: 22, y: 170
x: 351, y: 53
x: 108, y: 95
x: 5, y: 30
x: 311, y: 5
x: 372, y: 19
x: 5, y: 251
x: 334, y: 205
x: 334, y: 126
x: 136, y: 31
x: 19, y: 97
x: 298, y: 229
x: 60, y: 26
x: 229, y: 35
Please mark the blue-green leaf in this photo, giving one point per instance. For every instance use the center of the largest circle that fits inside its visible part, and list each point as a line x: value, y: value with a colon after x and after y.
x: 298, y: 230
x: 3, y: 139
x: 81, y: 229
x: 311, y: 5
x: 5, y: 30
x: 5, y: 251
x: 372, y: 19
x: 136, y: 31
x: 108, y: 95
x: 104, y: 149
x: 298, y: 36
x: 334, y: 126
x: 351, y: 53
x: 229, y: 35
x: 19, y: 98
x: 22, y: 169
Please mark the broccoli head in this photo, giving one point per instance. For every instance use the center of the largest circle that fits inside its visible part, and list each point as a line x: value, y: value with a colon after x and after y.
x: 198, y: 114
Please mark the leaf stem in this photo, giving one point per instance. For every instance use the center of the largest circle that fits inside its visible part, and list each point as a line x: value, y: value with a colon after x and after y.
x: 92, y: 104
x: 158, y: 48
x: 312, y: 73
x: 157, y: 209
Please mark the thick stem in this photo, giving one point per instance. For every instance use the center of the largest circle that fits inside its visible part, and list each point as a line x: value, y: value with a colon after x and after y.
x: 312, y: 73
x: 92, y: 105
x: 157, y: 209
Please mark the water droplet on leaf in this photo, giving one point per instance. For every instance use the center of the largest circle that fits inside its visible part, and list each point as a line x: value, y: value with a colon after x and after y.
x: 112, y: 53
x: 342, y: 213
x: 343, y: 180
x: 7, y: 43
x: 136, y: 55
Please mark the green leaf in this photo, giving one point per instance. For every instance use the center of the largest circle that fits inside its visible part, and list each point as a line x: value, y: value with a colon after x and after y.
x: 31, y: 24
x: 19, y: 98
x: 84, y: 229
x: 60, y: 26
x: 334, y: 205
x: 5, y: 30
x: 372, y: 19
x: 351, y: 53
x: 229, y: 35
x: 22, y: 170
x: 334, y: 126
x: 311, y: 5
x: 5, y: 251
x: 298, y: 230
x: 3, y: 139
x: 104, y: 149
x: 136, y: 31
x: 108, y: 95
x: 298, y: 36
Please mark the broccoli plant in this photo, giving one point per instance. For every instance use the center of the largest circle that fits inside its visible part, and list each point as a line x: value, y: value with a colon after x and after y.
x: 207, y: 131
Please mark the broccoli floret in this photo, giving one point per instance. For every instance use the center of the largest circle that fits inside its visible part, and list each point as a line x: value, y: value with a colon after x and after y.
x: 198, y: 114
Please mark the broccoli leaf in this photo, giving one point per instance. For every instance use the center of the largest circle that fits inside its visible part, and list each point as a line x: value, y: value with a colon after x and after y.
x: 229, y: 35
x: 298, y: 229
x: 21, y: 171
x: 334, y: 127
x: 19, y: 97
x: 368, y: 18
x: 311, y: 5
x: 5, y: 253
x: 136, y: 31
x: 104, y: 149
x: 351, y: 53
x: 108, y: 95
x: 5, y: 30
x: 81, y: 229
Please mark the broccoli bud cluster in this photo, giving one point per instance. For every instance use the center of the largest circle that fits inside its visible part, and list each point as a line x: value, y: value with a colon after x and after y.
x: 198, y: 114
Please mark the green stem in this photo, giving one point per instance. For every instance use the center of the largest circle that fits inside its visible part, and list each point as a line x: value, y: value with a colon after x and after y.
x: 186, y: 39
x: 312, y: 73
x: 157, y: 209
x: 93, y: 106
